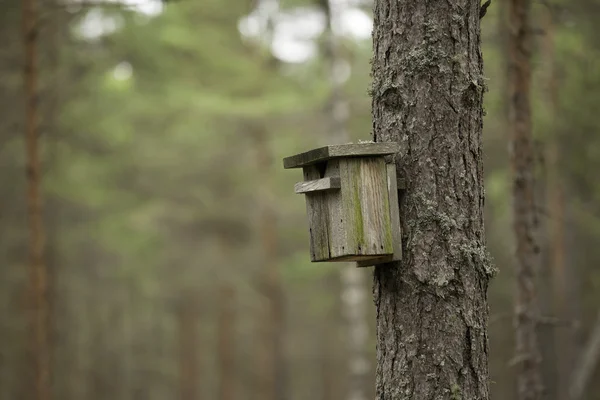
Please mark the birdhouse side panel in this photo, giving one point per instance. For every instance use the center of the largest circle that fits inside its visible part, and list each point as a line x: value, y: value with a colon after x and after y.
x: 375, y: 202
x: 337, y: 231
x: 324, y: 210
x: 317, y: 212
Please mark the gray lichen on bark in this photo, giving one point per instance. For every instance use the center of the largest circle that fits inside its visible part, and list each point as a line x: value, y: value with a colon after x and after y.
x: 427, y: 93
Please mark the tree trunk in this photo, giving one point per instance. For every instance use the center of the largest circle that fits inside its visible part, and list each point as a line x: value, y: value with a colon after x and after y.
x: 353, y: 293
x: 590, y: 357
x: 432, y: 310
x: 561, y: 276
x: 327, y: 360
x: 226, y: 365
x: 272, y: 358
x: 529, y: 383
x: 189, y: 365
x: 551, y: 291
x: 38, y: 285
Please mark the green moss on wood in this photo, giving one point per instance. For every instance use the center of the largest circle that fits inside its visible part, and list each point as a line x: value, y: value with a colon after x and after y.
x: 455, y: 392
x: 359, y: 228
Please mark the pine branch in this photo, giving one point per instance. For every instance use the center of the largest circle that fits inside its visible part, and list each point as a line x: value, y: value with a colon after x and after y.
x: 483, y: 9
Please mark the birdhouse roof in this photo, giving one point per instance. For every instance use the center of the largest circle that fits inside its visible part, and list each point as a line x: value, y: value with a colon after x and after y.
x: 338, y: 151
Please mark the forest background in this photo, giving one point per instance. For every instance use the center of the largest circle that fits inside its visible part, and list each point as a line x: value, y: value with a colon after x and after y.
x: 176, y: 249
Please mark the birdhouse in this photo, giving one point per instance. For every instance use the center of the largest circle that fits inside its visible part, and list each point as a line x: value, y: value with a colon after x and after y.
x: 351, y: 201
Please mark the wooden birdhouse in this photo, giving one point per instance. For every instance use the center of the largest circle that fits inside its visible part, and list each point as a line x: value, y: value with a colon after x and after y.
x: 351, y: 201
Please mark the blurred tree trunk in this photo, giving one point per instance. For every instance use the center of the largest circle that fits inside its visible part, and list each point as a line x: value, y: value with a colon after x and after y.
x: 584, y: 371
x: 551, y: 290
x: 330, y: 343
x: 38, y: 284
x: 272, y: 362
x: 328, y: 370
x: 57, y: 292
x: 432, y: 310
x: 126, y: 331
x: 353, y: 288
x: 561, y: 275
x: 189, y: 364
x: 226, y: 345
x: 529, y: 381
x: 354, y: 302
x: 271, y: 357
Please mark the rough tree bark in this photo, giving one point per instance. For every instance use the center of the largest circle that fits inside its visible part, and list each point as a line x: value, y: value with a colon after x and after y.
x: 353, y: 293
x: 527, y: 358
x: 38, y: 286
x: 432, y: 310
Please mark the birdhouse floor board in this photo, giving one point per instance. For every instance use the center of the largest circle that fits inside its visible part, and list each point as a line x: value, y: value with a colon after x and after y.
x: 367, y: 259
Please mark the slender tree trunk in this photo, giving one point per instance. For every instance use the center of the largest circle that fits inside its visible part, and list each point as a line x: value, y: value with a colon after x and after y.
x: 354, y: 302
x: 57, y: 315
x: 330, y: 342
x: 529, y: 383
x: 226, y: 350
x: 327, y: 365
x: 353, y: 293
x: 590, y: 358
x: 38, y: 286
x: 126, y: 330
x: 561, y: 276
x: 432, y: 310
x: 551, y: 290
x: 77, y: 335
x: 272, y: 358
x: 189, y: 364
x: 547, y: 180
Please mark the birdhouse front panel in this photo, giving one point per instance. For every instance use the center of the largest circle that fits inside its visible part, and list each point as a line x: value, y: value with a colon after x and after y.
x: 365, y: 208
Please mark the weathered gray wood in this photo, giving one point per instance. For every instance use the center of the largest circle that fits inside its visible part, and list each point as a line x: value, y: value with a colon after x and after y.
x: 340, y: 150
x: 337, y: 231
x: 365, y: 206
x: 319, y: 185
x: 392, y: 181
x: 317, y: 212
x: 353, y: 223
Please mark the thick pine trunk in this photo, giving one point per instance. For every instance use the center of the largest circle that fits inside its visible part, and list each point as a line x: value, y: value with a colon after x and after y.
x: 432, y: 307
x: 38, y: 282
x: 528, y: 360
